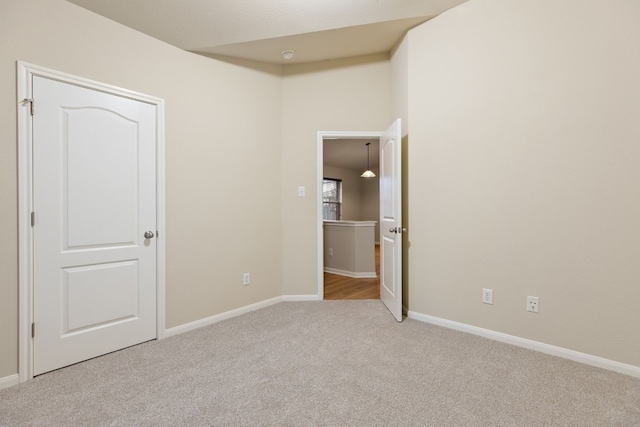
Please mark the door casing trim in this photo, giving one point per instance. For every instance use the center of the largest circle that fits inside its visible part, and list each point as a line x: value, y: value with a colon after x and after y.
x: 25, y: 73
x: 322, y: 135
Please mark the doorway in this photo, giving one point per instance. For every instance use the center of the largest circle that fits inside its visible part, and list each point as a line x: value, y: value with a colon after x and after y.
x: 351, y: 252
x: 346, y: 154
x: 390, y: 215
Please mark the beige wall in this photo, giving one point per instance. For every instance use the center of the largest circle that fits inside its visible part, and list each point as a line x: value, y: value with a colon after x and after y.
x: 341, y: 95
x: 349, y: 247
x: 222, y: 124
x: 371, y: 202
x: 524, y: 170
x: 400, y: 109
x: 399, y: 64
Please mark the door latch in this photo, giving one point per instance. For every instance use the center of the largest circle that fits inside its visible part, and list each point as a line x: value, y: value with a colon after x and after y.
x: 397, y: 230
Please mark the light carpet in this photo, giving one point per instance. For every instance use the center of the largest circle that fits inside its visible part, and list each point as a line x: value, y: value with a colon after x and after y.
x: 324, y: 363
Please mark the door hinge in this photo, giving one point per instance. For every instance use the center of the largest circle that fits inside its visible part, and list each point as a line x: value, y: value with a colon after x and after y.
x: 33, y: 219
x: 30, y: 101
x: 33, y: 330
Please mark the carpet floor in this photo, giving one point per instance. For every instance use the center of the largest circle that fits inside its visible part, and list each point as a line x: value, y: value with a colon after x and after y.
x: 324, y: 363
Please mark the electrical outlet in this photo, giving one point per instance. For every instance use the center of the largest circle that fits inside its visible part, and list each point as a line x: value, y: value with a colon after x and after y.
x: 487, y: 296
x: 532, y: 304
x: 246, y: 279
x: 330, y: 251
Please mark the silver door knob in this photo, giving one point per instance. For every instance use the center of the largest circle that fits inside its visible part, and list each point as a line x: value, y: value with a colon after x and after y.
x: 397, y: 230
x: 149, y: 235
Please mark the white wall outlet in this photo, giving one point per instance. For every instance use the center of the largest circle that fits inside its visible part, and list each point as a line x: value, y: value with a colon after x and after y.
x: 330, y: 251
x: 532, y: 304
x: 246, y: 279
x: 301, y: 191
x: 487, y: 296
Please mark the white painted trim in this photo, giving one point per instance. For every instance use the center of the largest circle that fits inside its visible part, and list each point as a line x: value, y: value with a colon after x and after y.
x: 25, y: 241
x: 553, y: 350
x: 319, y: 177
x: 354, y: 274
x: 9, y: 381
x: 161, y: 237
x: 289, y: 298
x: 341, y: 223
x: 25, y: 73
x: 220, y: 317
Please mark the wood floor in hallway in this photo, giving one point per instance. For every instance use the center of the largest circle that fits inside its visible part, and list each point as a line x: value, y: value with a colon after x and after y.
x: 342, y: 287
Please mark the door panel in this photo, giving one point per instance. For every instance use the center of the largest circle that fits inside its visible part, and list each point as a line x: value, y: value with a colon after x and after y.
x: 100, y: 294
x: 97, y: 144
x: 94, y: 187
x: 391, y: 220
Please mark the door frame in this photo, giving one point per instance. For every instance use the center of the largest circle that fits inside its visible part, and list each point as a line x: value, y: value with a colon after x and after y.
x: 322, y: 135
x: 26, y: 72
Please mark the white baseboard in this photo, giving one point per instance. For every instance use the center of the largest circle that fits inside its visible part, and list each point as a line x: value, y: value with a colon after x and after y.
x: 354, y: 274
x: 220, y: 317
x: 9, y: 381
x: 553, y: 350
x: 301, y: 298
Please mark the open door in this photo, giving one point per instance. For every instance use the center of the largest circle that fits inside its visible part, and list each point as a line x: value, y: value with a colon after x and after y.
x: 391, y: 219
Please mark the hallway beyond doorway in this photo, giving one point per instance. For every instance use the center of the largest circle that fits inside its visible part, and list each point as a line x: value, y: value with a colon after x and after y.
x: 338, y: 287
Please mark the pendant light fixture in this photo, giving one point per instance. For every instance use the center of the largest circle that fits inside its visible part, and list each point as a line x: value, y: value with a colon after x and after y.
x: 368, y: 173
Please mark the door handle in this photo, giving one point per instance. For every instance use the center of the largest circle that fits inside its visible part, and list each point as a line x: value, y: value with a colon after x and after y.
x: 398, y: 230
x: 149, y: 235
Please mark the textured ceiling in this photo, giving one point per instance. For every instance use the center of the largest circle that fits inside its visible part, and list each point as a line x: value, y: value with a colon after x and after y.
x: 262, y: 29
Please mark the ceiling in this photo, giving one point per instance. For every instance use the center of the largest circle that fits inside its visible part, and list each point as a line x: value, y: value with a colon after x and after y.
x: 350, y: 153
x: 261, y: 30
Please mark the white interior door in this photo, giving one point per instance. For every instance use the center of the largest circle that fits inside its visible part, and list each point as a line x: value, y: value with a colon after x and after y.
x: 94, y: 197
x: 391, y: 219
